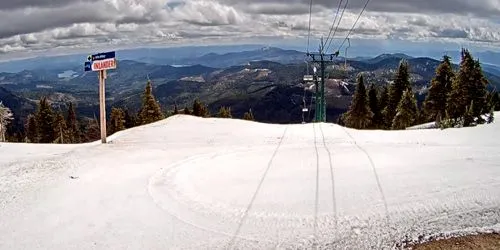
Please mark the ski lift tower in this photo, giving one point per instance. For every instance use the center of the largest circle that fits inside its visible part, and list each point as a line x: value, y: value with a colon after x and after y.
x: 321, y: 58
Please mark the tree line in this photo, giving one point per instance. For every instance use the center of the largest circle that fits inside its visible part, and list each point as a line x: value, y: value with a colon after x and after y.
x: 49, y: 126
x: 454, y: 99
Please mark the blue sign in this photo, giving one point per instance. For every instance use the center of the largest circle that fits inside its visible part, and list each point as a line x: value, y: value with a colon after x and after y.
x: 102, y: 56
x: 88, y: 66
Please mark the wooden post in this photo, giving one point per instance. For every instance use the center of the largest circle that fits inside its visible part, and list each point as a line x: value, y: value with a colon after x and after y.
x: 102, y: 103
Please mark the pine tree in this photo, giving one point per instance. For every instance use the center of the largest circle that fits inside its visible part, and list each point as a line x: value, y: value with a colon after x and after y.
x: 176, y: 110
x: 117, y: 121
x: 5, y: 118
x: 186, y: 111
x: 45, y: 120
x: 496, y: 101
x: 491, y: 116
x: 383, y: 101
x: 441, y: 85
x: 72, y: 124
x: 401, y: 83
x: 359, y: 115
x: 460, y: 95
x: 407, y: 111
x: 468, y: 118
x: 31, y: 129
x: 150, y: 111
x: 446, y: 122
x: 491, y: 100
x: 60, y: 129
x: 373, y: 103
x: 477, y: 91
x: 92, y: 132
x: 199, y: 109
x: 130, y: 120
x: 224, y: 112
x: 249, y: 116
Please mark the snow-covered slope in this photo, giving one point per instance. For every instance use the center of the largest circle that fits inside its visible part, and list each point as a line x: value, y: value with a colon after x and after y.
x: 195, y: 183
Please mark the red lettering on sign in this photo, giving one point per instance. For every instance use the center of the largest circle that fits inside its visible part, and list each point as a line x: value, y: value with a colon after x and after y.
x: 104, y: 64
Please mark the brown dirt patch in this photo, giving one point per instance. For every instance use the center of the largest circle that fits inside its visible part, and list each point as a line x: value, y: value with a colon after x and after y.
x: 483, y: 242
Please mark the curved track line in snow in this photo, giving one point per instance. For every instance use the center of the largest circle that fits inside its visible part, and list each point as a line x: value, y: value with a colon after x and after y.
x: 245, y: 215
x: 159, y: 204
x: 374, y: 172
x: 316, y: 199
x: 330, y: 159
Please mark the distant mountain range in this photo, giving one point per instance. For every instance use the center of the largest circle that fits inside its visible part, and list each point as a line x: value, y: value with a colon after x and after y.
x: 216, y: 57
x: 267, y: 80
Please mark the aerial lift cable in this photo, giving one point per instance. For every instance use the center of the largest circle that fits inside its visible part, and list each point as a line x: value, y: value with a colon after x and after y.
x: 333, y: 23
x: 310, y: 18
x: 338, y: 24
x: 353, y: 26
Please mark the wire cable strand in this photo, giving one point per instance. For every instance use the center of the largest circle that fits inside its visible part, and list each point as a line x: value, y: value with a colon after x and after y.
x: 338, y: 24
x: 309, y: 32
x: 333, y: 23
x: 354, y: 25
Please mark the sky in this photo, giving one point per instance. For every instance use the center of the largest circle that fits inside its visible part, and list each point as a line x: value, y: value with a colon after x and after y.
x: 33, y: 27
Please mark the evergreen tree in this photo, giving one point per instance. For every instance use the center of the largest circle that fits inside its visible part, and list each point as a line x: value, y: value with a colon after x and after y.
x: 199, y: 109
x: 446, y: 122
x: 249, y: 116
x: 5, y: 118
x: 130, y: 120
x: 224, y: 112
x: 407, y: 111
x: 383, y: 101
x: 117, y: 121
x: 491, y: 100
x: 60, y: 129
x: 441, y: 84
x: 72, y: 125
x: 186, y: 111
x: 45, y: 120
x: 205, y: 111
x: 31, y: 129
x: 92, y: 130
x: 401, y: 84
x: 359, y: 115
x: 460, y: 96
x: 496, y: 101
x: 373, y: 103
x: 150, y: 111
x: 176, y: 110
x: 468, y: 118
x: 477, y: 91
x: 491, y: 116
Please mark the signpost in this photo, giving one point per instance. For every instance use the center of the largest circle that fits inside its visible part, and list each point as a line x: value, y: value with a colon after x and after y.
x: 100, y: 63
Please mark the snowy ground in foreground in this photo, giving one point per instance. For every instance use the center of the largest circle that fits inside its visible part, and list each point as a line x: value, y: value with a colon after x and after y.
x: 194, y: 183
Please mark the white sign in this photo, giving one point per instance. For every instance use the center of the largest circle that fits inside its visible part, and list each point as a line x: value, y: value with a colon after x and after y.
x: 104, y: 64
x: 308, y: 78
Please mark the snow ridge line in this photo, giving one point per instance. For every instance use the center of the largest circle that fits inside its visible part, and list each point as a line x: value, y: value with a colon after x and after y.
x: 316, y: 200
x: 245, y: 215
x: 374, y: 172
x: 334, y: 199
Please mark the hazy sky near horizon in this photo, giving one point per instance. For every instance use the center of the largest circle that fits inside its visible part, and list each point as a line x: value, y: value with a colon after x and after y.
x: 47, y: 26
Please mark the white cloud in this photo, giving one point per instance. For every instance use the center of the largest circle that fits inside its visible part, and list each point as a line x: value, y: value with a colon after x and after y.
x: 38, y: 25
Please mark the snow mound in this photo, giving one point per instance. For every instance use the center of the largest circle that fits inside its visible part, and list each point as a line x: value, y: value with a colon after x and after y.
x: 190, y: 183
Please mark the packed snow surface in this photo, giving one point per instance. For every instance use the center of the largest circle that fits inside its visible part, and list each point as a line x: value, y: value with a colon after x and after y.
x: 193, y: 183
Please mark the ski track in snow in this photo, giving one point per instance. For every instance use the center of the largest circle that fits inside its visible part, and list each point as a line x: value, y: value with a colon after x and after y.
x: 189, y: 183
x: 374, y: 173
x: 231, y: 243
